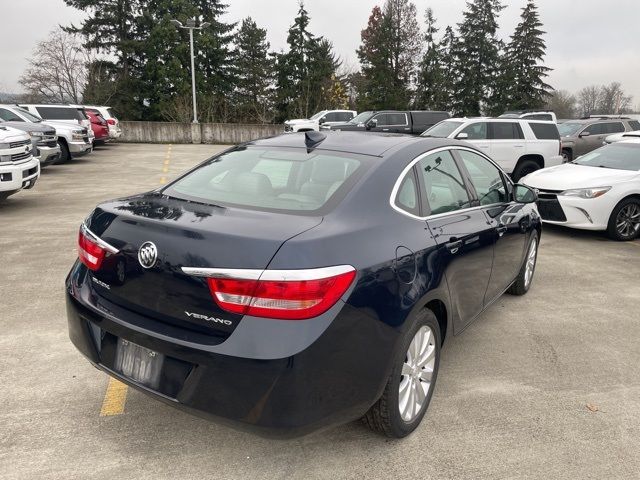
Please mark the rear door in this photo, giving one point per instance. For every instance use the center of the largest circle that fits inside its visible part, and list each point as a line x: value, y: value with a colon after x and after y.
x: 465, y: 240
x: 586, y: 144
x: 507, y: 144
x: 506, y: 218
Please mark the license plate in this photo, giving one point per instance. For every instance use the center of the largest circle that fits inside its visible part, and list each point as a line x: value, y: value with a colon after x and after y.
x: 138, y: 363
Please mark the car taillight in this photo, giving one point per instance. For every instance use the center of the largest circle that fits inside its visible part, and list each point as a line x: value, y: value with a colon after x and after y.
x: 286, y: 295
x: 92, y: 250
x: 111, y: 121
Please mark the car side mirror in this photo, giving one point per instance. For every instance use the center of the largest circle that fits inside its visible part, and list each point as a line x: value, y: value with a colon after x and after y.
x: 462, y: 136
x: 372, y: 124
x: 585, y: 134
x: 322, y: 121
x: 524, y: 194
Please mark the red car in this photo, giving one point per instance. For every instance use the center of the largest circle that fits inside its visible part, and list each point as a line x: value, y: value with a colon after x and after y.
x: 99, y: 126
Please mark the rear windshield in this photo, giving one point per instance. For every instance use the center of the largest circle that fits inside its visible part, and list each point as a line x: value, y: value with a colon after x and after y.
x: 111, y: 112
x: 60, y: 113
x: 545, y: 131
x: 442, y: 130
x: 272, y: 179
x: 619, y: 156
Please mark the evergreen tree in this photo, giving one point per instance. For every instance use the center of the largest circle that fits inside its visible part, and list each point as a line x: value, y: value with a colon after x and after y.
x: 433, y: 86
x: 390, y: 46
x: 448, y: 67
x: 255, y: 81
x: 525, y: 53
x: 477, y: 56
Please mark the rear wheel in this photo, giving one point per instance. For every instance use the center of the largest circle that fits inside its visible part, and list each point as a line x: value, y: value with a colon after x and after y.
x: 524, y: 168
x: 525, y: 277
x: 410, y: 386
x: 624, y: 223
x: 65, y: 156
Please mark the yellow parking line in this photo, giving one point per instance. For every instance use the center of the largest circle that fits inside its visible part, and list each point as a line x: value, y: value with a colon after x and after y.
x: 114, y: 398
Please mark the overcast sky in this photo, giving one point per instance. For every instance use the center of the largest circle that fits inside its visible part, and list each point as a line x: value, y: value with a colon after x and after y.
x: 588, y: 41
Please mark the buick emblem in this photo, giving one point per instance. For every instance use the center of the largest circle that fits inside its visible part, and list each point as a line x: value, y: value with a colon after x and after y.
x: 148, y: 254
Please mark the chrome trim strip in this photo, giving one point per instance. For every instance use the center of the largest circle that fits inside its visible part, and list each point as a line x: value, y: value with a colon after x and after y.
x: 94, y: 238
x: 270, y: 275
x: 396, y: 187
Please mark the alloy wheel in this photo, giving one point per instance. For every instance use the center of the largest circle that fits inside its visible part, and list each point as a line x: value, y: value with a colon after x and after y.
x: 628, y: 220
x: 531, y: 263
x: 417, y: 373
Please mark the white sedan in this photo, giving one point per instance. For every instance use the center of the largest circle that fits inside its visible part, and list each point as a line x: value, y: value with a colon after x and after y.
x: 618, y: 137
x: 598, y: 191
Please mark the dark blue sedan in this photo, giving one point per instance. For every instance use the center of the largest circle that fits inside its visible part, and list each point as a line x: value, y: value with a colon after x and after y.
x: 301, y: 281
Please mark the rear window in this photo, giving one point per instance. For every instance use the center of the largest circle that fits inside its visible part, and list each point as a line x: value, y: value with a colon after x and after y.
x: 59, y: 113
x: 506, y: 131
x: 545, y: 131
x: 285, y: 180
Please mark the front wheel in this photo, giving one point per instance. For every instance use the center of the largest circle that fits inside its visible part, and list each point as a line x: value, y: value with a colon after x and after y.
x: 410, y: 386
x: 624, y: 223
x: 525, y: 276
x: 524, y: 168
x: 65, y: 155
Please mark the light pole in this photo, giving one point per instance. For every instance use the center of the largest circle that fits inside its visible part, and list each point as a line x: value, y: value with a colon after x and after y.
x: 191, y: 26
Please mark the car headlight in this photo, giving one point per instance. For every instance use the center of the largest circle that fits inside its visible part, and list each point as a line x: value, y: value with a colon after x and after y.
x: 36, y: 134
x: 586, y: 192
x: 77, y: 135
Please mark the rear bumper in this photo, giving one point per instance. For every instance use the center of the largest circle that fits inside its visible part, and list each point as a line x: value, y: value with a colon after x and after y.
x: 334, y: 380
x: 17, y: 177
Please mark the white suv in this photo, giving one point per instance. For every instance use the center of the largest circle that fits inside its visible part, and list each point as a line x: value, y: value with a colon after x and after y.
x: 519, y: 146
x: 115, y: 130
x: 325, y: 117
x: 18, y: 168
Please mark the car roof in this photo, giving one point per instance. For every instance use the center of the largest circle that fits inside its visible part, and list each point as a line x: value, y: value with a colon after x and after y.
x: 588, y: 121
x: 363, y: 143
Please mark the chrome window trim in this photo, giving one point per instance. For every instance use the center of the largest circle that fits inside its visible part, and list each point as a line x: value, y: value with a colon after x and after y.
x: 396, y: 187
x: 269, y: 275
x: 94, y: 238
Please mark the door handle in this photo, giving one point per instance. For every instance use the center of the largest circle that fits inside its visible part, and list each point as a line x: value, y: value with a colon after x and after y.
x: 502, y: 230
x: 519, y: 146
x: 454, y: 246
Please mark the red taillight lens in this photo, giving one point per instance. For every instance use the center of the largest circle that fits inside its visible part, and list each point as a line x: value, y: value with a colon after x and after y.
x: 283, y: 299
x: 111, y: 121
x: 89, y: 252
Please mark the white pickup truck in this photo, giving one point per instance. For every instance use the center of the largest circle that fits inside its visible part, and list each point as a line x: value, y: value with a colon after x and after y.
x: 18, y: 168
x: 519, y: 146
x: 325, y: 117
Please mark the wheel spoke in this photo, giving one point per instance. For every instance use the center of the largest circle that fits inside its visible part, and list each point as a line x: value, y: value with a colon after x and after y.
x: 406, y: 369
x: 420, y: 395
x: 428, y: 356
x: 426, y: 374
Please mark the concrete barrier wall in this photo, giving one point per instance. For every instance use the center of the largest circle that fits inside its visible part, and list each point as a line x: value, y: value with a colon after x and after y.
x: 213, y: 133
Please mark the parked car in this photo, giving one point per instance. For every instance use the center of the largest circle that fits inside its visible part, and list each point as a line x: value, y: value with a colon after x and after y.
x: 73, y: 139
x: 585, y: 135
x: 391, y: 121
x: 71, y: 114
x: 100, y: 128
x: 531, y: 115
x: 115, y: 130
x: 598, y: 191
x: 301, y: 281
x: 618, y: 137
x: 325, y: 117
x: 18, y: 168
x: 43, y: 137
x: 518, y: 146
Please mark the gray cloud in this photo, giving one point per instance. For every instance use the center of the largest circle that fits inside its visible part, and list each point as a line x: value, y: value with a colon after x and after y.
x: 589, y: 41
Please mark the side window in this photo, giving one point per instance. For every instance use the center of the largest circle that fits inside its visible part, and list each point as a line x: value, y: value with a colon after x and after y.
x: 634, y: 124
x: 446, y: 191
x: 486, y: 178
x: 476, y: 131
x: 505, y: 131
x: 57, y: 113
x: 616, y: 127
x: 595, y: 129
x: 348, y: 116
x: 9, y: 116
x: 332, y: 117
x: 539, y: 116
x: 407, y: 197
x: 545, y: 131
x: 397, y: 119
x: 382, y: 119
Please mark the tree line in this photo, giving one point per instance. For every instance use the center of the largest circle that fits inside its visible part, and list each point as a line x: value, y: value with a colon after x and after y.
x: 134, y: 59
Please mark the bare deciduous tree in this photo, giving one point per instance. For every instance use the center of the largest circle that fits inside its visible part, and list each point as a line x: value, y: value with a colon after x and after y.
x: 562, y: 103
x: 613, y: 100
x: 57, y: 70
x: 589, y: 100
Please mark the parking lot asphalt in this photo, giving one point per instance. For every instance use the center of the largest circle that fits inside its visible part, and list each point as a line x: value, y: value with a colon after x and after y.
x: 541, y: 386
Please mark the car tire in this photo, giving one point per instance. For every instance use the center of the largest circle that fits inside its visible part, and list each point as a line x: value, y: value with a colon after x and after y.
x: 524, y: 168
x: 567, y: 155
x: 523, y: 282
x: 385, y: 415
x: 624, y: 223
x: 65, y: 155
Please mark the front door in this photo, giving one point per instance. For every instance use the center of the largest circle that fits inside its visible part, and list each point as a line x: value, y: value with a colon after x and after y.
x: 465, y: 239
x: 508, y: 220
